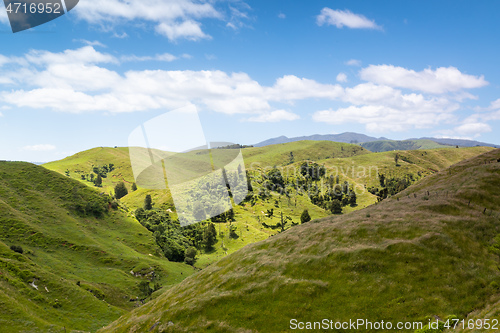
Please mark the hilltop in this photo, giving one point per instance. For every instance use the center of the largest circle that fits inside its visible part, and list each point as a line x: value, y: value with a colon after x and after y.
x: 424, y: 252
x: 388, y: 145
x: 77, y: 262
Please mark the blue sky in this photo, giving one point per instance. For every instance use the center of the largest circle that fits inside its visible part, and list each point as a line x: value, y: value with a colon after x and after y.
x: 254, y: 70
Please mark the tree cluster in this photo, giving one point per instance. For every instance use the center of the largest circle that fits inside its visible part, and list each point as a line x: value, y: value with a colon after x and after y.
x: 176, y: 242
x: 391, y: 185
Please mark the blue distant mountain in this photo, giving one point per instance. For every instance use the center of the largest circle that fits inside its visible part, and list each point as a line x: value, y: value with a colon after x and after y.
x: 347, y: 137
x: 378, y: 144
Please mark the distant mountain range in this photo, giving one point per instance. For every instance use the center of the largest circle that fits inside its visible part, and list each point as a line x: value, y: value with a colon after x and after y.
x: 379, y: 144
x: 347, y: 137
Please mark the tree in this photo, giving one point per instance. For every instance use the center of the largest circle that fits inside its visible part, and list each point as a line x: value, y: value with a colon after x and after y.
x: 209, y: 236
x: 134, y: 187
x: 336, y: 207
x: 396, y: 159
x: 189, y: 255
x: 148, y: 202
x: 381, y: 178
x: 98, y: 181
x: 305, y: 217
x: 120, y: 190
x: 352, y: 199
x: 283, y: 221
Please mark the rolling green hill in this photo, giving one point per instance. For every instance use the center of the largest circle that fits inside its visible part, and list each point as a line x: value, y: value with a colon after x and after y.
x: 349, y: 162
x: 81, y: 262
x: 428, y: 251
x: 389, y: 145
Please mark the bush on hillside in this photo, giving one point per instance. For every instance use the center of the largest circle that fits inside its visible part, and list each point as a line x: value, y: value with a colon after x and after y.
x: 120, y: 190
x: 305, y: 217
x: 17, y: 248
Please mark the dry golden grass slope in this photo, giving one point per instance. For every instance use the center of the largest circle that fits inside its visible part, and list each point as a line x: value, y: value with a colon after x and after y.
x: 423, y: 253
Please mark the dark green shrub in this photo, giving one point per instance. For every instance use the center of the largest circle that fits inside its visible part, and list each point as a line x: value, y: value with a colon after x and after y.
x: 120, y: 190
x: 145, y: 289
x: 17, y: 248
x: 114, y: 204
x: 305, y: 217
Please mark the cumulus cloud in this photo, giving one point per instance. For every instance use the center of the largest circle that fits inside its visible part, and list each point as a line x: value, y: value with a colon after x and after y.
x: 382, y: 108
x: 78, y: 81
x: 274, y: 116
x: 291, y: 87
x: 188, y: 29
x: 474, y: 129
x: 438, y: 81
x: 341, y: 77
x: 175, y: 19
x: 41, y: 147
x: 379, y: 118
x: 341, y: 18
x: 81, y: 80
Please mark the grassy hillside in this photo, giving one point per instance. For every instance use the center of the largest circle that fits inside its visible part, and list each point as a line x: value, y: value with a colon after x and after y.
x: 279, y: 154
x: 389, y: 145
x: 350, y: 162
x: 424, y: 252
x: 78, y: 254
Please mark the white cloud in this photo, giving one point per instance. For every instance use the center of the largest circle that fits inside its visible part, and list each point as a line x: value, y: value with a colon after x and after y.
x: 274, y: 116
x: 81, y: 80
x: 341, y: 77
x: 291, y: 87
x: 83, y: 55
x: 474, y: 129
x: 77, y: 81
x: 41, y: 147
x: 378, y: 118
x: 281, y: 16
x: 495, y: 105
x: 120, y: 36
x: 441, y: 80
x: 159, y: 57
x: 90, y: 43
x: 353, y: 62
x: 174, y: 19
x: 341, y: 18
x: 3, y: 16
x: 188, y: 29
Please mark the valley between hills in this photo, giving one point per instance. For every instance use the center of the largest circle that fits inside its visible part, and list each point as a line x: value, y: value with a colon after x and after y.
x: 417, y: 239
